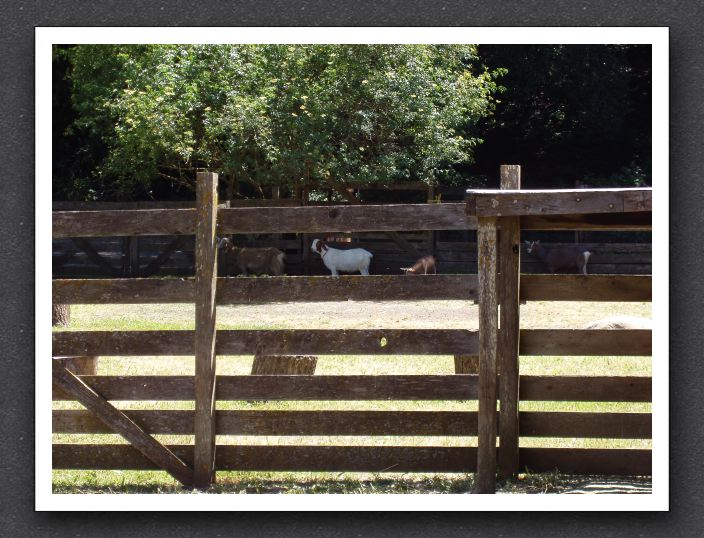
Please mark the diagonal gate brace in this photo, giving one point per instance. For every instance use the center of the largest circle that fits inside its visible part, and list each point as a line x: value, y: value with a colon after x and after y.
x: 122, y: 424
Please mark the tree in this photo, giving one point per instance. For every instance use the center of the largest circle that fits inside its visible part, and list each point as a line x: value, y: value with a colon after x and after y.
x: 319, y: 116
x: 571, y: 112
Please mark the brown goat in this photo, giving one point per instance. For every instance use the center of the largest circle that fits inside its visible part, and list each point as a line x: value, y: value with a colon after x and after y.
x: 564, y: 257
x: 424, y: 266
x: 258, y: 261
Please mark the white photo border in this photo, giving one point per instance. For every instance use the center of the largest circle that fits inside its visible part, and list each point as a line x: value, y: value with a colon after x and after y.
x: 658, y: 37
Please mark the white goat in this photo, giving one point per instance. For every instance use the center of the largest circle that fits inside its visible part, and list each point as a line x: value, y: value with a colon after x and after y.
x: 349, y: 261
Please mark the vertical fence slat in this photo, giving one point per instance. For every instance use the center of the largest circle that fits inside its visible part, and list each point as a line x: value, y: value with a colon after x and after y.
x: 488, y: 329
x: 507, y: 353
x: 205, y: 290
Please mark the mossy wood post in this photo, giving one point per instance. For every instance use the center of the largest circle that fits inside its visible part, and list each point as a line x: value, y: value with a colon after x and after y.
x: 205, y: 291
x: 488, y: 335
x: 507, y: 349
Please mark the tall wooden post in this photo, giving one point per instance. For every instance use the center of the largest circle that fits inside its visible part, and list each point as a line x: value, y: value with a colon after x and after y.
x: 507, y: 357
x: 205, y: 288
x: 488, y: 329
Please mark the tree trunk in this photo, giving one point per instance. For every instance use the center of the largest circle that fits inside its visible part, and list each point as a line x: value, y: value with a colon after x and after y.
x: 60, y: 315
x: 88, y: 365
x: 466, y: 364
x: 284, y: 365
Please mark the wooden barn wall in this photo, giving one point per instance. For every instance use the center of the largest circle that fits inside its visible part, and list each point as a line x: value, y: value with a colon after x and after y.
x: 456, y: 252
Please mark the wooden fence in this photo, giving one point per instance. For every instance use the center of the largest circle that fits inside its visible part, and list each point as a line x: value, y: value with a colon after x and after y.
x: 196, y: 464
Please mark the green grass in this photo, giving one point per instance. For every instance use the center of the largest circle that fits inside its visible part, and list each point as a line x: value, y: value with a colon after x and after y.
x: 431, y: 314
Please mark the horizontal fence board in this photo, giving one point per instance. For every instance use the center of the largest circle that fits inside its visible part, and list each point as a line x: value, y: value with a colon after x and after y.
x: 122, y: 291
x: 613, y: 222
x: 586, y: 425
x: 588, y: 461
x: 344, y: 423
x: 619, y: 288
x: 254, y: 290
x: 401, y: 423
x: 123, y: 222
x: 366, y: 387
x: 320, y: 219
x: 279, y: 458
x: 288, y: 387
x: 271, y: 342
x: 502, y: 203
x: 586, y: 388
x: 625, y: 462
x: 360, y: 218
x: 534, y: 342
x: 578, y: 342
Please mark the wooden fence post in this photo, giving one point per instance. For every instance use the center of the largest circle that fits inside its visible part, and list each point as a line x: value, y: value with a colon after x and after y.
x: 507, y: 354
x: 205, y: 288
x: 488, y: 329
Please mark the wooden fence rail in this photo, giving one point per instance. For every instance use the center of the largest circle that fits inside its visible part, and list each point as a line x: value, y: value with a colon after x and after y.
x: 366, y: 387
x: 253, y: 290
x: 321, y: 219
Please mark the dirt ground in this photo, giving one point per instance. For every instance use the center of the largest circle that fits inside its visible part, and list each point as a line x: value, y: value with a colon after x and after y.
x: 426, y: 314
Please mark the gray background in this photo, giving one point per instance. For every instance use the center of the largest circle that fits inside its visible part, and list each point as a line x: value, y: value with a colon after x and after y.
x: 17, y: 263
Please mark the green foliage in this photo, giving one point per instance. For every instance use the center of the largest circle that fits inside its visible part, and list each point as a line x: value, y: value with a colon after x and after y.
x: 571, y: 112
x: 317, y: 115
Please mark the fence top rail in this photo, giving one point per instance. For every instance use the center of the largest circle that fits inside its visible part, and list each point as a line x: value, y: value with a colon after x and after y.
x: 311, y: 219
x: 497, y: 203
x: 321, y: 219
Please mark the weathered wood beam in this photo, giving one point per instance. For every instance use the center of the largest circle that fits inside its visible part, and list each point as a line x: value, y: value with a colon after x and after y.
x: 488, y: 335
x: 344, y: 423
x: 625, y: 462
x: 611, y: 222
x: 509, y: 335
x: 534, y: 342
x: 206, y: 249
x: 321, y: 219
x: 255, y: 290
x: 503, y: 203
x: 270, y: 342
x: 367, y: 387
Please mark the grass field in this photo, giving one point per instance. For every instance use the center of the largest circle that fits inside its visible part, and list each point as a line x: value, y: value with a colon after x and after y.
x: 349, y: 315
